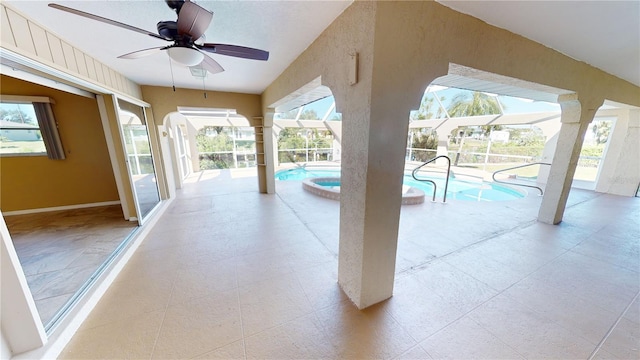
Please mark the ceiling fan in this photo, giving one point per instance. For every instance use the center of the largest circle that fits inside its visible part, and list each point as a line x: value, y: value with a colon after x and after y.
x: 193, y: 20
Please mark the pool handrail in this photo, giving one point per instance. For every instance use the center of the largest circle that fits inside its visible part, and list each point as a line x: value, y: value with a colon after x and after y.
x: 493, y: 176
x: 446, y: 182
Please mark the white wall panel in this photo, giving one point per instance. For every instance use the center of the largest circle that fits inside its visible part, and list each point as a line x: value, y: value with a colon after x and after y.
x: 69, y: 57
x: 91, y: 67
x: 55, y: 45
x: 5, y: 28
x: 120, y: 80
x: 99, y: 71
x: 107, y: 75
x: 114, y: 79
x: 80, y: 61
x: 39, y: 37
x: 21, y: 32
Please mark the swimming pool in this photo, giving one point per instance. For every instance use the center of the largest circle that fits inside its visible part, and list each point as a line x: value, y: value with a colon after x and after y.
x: 458, y: 189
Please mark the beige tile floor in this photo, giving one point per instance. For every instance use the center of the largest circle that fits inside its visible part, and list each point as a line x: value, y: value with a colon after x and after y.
x: 60, y: 250
x: 228, y: 273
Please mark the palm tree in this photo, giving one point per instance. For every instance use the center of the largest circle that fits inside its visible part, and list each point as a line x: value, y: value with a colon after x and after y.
x: 425, y: 111
x: 479, y: 104
x: 601, y: 131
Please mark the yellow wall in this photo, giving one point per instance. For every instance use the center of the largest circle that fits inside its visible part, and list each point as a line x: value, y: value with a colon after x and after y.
x: 85, y: 176
x: 164, y: 100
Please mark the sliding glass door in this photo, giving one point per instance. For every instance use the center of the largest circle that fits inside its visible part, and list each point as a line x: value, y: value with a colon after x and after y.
x: 135, y: 135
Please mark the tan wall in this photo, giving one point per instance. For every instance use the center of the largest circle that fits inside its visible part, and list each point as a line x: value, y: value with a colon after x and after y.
x: 85, y: 176
x: 164, y: 100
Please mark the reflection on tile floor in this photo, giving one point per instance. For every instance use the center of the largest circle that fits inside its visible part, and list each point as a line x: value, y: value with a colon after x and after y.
x: 228, y: 273
x: 60, y: 250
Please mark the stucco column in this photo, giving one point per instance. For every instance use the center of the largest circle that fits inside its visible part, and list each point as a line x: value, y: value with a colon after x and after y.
x: 443, y: 147
x: 620, y: 168
x: 275, y: 134
x: 575, y: 118
x: 550, y: 129
x: 270, y: 160
x: 265, y: 157
x: 336, y: 129
x: 370, y: 199
x: 193, y: 146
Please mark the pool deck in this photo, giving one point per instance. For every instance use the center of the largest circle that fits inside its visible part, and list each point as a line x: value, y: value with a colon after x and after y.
x: 231, y: 273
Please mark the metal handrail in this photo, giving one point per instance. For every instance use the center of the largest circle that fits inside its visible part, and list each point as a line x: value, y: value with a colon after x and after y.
x: 446, y: 183
x: 493, y: 176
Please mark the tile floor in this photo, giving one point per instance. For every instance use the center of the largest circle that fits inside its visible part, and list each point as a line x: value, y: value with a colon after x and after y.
x: 60, y: 250
x: 228, y: 273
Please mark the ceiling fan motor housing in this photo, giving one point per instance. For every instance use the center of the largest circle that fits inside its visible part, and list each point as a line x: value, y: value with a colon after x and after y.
x: 175, y: 4
x: 168, y: 29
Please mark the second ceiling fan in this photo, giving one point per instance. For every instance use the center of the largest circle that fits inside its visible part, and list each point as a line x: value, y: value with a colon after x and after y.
x: 193, y: 20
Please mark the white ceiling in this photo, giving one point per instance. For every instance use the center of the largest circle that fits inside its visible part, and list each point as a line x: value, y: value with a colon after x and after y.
x: 604, y: 34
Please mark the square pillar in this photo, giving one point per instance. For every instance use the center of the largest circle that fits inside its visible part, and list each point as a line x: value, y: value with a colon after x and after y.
x: 264, y: 153
x: 443, y: 148
x: 620, y: 167
x: 575, y: 119
x: 371, y: 194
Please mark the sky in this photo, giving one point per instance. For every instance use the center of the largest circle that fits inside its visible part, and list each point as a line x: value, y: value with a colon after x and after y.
x: 510, y: 105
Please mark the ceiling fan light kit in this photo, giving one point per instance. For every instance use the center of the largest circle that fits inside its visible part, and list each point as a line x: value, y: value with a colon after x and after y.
x: 185, y: 56
x: 193, y: 20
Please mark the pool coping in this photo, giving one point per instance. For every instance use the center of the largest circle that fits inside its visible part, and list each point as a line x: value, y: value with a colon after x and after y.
x: 412, y: 196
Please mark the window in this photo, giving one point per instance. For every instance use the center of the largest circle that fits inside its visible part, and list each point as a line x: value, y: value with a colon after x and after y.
x: 28, y: 128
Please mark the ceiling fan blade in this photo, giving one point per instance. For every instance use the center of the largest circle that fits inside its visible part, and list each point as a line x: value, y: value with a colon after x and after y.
x: 105, y: 20
x: 211, y: 65
x: 142, y: 53
x: 193, y: 20
x: 234, y: 50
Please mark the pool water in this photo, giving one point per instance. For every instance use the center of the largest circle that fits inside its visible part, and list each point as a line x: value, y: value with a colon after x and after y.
x: 458, y: 189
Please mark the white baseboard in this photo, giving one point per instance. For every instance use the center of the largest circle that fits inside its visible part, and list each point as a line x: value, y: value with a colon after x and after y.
x: 58, y: 208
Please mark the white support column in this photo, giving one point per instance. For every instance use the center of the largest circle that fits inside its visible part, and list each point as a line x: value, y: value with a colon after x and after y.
x: 576, y: 116
x: 620, y: 173
x: 264, y: 146
x: 550, y: 129
x: 443, y: 147
x: 336, y: 130
x: 270, y: 159
x: 371, y: 194
x: 193, y: 146
x: 275, y: 131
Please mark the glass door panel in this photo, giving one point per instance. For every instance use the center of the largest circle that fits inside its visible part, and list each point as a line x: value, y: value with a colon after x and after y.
x: 135, y: 135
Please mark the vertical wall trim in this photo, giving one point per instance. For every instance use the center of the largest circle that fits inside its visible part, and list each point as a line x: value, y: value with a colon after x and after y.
x: 102, y: 108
